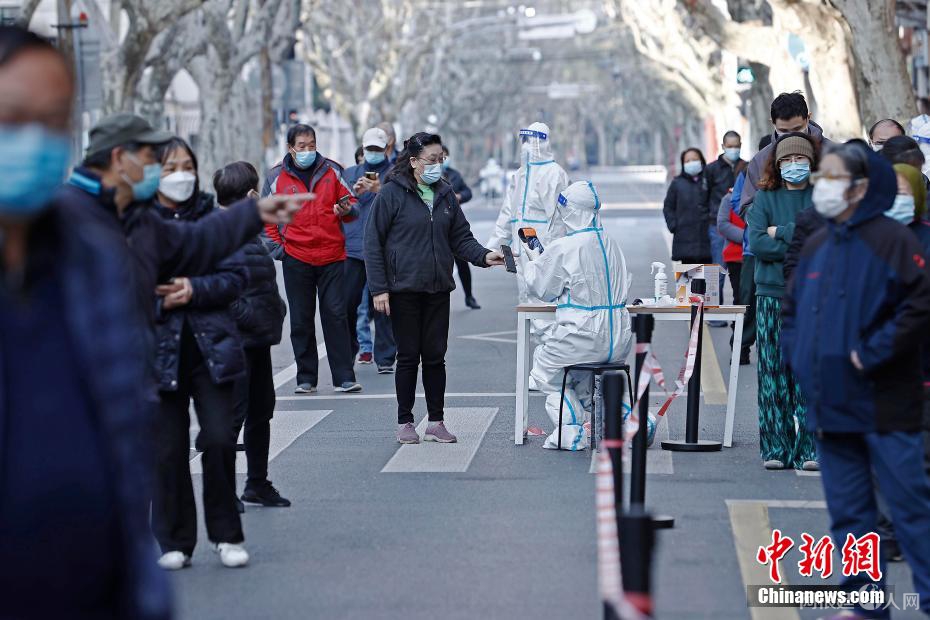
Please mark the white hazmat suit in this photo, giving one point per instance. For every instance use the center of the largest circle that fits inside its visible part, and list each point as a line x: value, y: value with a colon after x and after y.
x: 584, y: 273
x: 533, y: 199
x: 919, y: 129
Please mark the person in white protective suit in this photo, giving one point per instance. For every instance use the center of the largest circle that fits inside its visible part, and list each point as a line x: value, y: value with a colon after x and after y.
x: 533, y: 198
x: 584, y: 273
x: 919, y: 129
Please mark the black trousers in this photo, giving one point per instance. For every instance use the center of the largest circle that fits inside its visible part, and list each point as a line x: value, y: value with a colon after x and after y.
x: 735, y: 270
x: 302, y: 283
x: 356, y: 285
x: 464, y: 270
x: 747, y: 297
x: 253, y: 402
x: 421, y: 328
x: 174, y: 514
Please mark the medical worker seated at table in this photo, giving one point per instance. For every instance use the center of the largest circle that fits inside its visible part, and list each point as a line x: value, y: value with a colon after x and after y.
x: 584, y: 273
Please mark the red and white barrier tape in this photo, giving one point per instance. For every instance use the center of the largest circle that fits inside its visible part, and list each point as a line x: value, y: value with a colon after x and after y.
x: 690, y: 359
x: 610, y: 573
x: 651, y: 370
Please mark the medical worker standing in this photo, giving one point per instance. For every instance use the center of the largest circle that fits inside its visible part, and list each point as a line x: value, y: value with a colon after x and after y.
x: 532, y: 203
x: 584, y: 272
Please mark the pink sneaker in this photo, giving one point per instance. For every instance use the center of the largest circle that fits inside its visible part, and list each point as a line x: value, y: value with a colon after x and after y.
x: 406, y: 433
x: 437, y: 431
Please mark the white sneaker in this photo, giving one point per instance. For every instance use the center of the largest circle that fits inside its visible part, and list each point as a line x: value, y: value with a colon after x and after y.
x: 232, y: 555
x: 174, y: 560
x: 533, y: 385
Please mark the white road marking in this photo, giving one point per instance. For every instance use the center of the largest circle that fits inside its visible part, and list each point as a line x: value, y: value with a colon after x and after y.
x: 392, y: 396
x: 290, y: 372
x: 630, y: 206
x: 286, y: 427
x: 712, y: 386
x: 801, y: 472
x: 493, y: 337
x: 469, y: 424
x: 751, y: 530
x: 812, y: 504
x: 658, y: 461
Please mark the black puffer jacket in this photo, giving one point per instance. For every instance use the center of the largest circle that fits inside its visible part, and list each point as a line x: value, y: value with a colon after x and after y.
x: 208, y: 314
x: 686, y: 214
x: 259, y: 312
x: 410, y: 249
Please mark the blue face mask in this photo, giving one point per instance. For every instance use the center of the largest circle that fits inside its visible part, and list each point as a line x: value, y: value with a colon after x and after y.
x: 796, y: 172
x: 431, y: 173
x: 732, y: 154
x: 902, y: 210
x: 374, y: 157
x: 446, y: 163
x: 33, y: 161
x: 693, y: 167
x: 304, y: 159
x: 151, y: 177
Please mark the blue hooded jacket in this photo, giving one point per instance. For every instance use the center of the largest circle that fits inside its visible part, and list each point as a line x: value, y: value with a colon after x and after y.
x: 860, y: 286
x: 355, y: 230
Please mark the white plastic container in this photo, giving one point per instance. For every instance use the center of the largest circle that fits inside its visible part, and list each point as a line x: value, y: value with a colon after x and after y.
x: 661, y: 281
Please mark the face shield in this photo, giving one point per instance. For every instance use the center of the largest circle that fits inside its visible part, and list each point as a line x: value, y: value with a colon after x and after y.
x: 534, y: 143
x: 579, y: 205
x: 919, y: 129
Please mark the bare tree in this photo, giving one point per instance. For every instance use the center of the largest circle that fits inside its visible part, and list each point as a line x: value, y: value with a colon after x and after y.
x: 236, y: 32
x: 124, y: 61
x: 367, y: 57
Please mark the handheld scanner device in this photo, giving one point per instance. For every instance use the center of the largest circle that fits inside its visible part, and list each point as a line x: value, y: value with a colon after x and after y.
x: 528, y: 236
x: 509, y: 263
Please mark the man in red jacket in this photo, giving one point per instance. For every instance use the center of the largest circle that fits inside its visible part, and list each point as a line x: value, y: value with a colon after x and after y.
x: 312, y: 251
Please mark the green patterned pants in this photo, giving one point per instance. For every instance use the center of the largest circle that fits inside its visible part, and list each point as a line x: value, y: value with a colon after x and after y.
x: 782, y: 431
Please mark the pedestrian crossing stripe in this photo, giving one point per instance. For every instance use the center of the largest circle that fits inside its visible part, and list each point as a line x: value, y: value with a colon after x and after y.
x: 286, y: 427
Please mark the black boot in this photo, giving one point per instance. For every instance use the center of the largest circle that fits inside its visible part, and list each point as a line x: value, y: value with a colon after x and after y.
x: 472, y: 303
x: 265, y: 494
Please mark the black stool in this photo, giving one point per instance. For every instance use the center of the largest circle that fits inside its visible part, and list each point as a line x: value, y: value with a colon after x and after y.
x: 596, y: 369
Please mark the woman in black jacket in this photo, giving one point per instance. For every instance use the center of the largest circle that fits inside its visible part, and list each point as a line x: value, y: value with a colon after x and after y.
x: 686, y: 211
x: 415, y: 230
x: 259, y: 315
x: 199, y: 356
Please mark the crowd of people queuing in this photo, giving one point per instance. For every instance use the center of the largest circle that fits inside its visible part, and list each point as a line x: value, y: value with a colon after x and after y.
x: 827, y: 246
x: 825, y: 243
x: 134, y: 293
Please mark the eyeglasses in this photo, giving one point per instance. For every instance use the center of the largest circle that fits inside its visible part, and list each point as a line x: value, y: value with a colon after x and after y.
x: 793, y: 159
x: 437, y: 160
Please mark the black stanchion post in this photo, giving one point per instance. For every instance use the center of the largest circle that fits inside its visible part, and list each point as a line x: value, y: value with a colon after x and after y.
x: 637, y: 539
x: 612, y: 395
x: 635, y: 530
x: 643, y: 325
x: 692, y: 421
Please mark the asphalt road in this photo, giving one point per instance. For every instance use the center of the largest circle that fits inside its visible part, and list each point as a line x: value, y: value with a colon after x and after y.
x: 486, y: 529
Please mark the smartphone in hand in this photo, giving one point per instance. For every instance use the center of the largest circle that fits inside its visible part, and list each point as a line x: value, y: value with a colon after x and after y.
x: 509, y: 263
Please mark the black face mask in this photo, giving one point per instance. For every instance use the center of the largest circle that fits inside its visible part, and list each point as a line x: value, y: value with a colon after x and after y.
x: 806, y: 130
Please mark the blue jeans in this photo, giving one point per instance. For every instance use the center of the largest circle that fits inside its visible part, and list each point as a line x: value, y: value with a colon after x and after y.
x: 717, y: 243
x: 358, y: 297
x: 847, y: 461
x: 363, y: 325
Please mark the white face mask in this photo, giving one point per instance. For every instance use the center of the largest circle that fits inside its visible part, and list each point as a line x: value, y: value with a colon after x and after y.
x: 830, y: 197
x: 177, y: 186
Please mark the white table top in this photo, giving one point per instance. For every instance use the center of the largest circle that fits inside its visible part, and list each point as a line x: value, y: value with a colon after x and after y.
x: 547, y: 308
